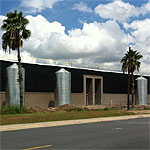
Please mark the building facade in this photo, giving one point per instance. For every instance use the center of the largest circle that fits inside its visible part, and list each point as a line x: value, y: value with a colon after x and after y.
x: 88, y: 86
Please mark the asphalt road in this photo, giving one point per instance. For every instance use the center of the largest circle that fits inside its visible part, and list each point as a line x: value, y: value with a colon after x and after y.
x: 125, y: 134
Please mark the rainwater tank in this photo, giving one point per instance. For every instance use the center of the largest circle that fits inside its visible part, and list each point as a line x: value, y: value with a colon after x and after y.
x: 63, y: 87
x: 12, y: 85
x: 142, y: 91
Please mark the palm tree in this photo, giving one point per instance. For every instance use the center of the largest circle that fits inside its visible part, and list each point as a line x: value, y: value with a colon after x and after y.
x: 130, y: 62
x: 15, y: 31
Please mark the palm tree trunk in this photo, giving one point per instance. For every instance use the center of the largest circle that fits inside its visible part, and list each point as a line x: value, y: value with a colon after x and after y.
x: 20, y: 78
x: 128, y: 98
x: 132, y: 90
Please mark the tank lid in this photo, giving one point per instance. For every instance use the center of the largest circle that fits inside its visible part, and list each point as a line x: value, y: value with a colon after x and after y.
x: 14, y: 65
x: 62, y: 70
x: 141, y: 78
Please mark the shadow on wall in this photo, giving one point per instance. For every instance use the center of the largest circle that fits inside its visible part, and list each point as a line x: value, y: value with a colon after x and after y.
x: 3, y: 104
x: 51, y: 103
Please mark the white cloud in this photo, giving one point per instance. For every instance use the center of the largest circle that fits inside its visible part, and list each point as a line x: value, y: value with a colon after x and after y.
x: 103, y: 44
x: 141, y: 34
x: 145, y: 8
x: 121, y: 11
x: 82, y: 7
x: 97, y: 42
x: 25, y: 56
x: 144, y: 69
x: 38, y: 5
x: 141, y: 31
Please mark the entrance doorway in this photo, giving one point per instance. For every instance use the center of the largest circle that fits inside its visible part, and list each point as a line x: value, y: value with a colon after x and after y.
x: 93, y: 90
x: 97, y: 92
x: 89, y: 95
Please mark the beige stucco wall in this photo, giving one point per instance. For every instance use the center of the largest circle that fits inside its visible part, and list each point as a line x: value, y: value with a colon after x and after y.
x: 41, y: 99
x: 113, y: 99
x: 77, y: 99
x: 2, y: 98
x: 38, y: 99
x: 148, y: 102
x: 33, y: 99
x: 121, y: 99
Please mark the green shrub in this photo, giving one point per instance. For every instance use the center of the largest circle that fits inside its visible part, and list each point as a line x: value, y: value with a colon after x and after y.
x: 70, y: 108
x: 80, y: 109
x: 101, y: 109
x: 106, y: 108
x: 96, y: 109
x: 12, y: 110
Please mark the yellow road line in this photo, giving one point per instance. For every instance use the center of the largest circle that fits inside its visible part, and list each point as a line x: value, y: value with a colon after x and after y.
x: 38, y: 147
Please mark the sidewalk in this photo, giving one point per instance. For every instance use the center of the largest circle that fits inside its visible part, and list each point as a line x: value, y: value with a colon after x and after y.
x: 68, y: 122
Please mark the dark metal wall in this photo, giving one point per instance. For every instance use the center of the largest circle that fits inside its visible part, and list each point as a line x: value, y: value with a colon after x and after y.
x: 41, y: 78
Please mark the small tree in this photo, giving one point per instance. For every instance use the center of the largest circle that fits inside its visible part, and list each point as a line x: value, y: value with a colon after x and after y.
x: 15, y: 31
x: 130, y: 62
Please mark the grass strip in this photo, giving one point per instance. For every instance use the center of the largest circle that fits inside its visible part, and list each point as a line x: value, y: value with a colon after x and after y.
x: 58, y: 116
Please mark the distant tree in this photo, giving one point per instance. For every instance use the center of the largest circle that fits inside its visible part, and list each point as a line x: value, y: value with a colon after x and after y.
x: 131, y: 62
x: 15, y: 31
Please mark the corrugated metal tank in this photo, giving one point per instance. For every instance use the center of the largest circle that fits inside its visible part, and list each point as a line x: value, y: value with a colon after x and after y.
x: 142, y: 91
x: 63, y: 87
x: 12, y: 87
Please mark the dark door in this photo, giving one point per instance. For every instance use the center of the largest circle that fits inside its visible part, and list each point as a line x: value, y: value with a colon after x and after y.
x: 97, y: 92
x: 89, y: 95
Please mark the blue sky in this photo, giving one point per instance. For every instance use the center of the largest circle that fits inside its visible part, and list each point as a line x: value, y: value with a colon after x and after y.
x: 63, y: 13
x: 94, y: 32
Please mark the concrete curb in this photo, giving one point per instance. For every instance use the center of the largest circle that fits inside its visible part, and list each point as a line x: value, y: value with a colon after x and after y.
x: 68, y: 122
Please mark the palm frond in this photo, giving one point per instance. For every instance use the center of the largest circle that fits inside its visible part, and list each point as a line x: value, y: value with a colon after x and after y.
x: 130, y: 61
x: 26, y: 34
x: 15, y: 27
